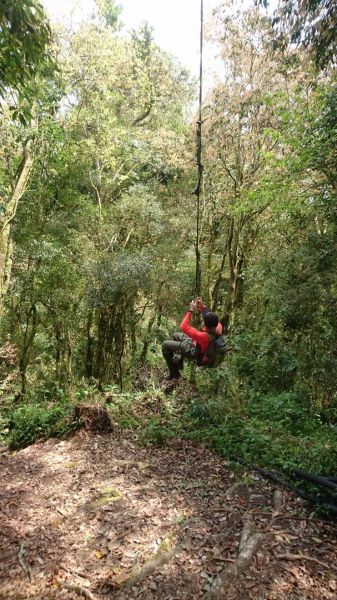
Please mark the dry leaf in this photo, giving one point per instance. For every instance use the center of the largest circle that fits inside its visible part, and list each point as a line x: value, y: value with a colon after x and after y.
x: 101, y: 553
x: 113, y: 545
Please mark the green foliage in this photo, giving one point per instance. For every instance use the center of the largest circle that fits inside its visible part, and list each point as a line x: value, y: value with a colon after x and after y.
x: 110, y: 12
x: 271, y: 432
x: 31, y: 422
x: 154, y: 434
x: 24, y: 52
x: 100, y: 250
x: 312, y: 24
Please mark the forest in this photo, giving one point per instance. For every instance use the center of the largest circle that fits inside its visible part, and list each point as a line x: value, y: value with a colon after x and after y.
x: 100, y: 249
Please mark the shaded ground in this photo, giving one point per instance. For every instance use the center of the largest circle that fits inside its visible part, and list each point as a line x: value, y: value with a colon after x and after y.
x: 94, y: 511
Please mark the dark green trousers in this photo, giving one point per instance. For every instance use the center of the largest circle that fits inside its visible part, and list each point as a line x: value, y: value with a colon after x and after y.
x: 180, y: 345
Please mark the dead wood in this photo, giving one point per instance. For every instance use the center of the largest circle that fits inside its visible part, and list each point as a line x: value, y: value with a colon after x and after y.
x: 278, y: 500
x: 22, y: 563
x: 324, y: 481
x: 232, y: 489
x: 159, y: 559
x: 247, y: 533
x: 248, y: 546
x: 73, y: 572
x: 305, y: 557
x: 93, y: 417
x: 78, y: 589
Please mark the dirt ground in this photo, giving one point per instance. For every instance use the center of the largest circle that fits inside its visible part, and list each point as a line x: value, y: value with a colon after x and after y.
x: 99, y: 517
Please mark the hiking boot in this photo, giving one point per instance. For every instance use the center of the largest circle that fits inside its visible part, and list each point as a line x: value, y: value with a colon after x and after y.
x: 173, y: 376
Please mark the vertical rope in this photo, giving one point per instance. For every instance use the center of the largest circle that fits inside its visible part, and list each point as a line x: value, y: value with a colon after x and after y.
x: 200, y: 167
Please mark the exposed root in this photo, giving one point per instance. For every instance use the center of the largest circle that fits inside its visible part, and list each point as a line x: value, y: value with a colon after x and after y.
x: 232, y: 489
x: 161, y: 558
x: 247, y: 533
x: 305, y: 557
x: 78, y: 589
x: 278, y: 500
x: 248, y: 546
x: 22, y: 563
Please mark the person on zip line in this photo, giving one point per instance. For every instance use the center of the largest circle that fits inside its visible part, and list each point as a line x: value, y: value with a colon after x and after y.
x: 191, y: 343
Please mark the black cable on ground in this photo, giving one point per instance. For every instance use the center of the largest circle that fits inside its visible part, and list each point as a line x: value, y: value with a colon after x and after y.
x: 317, y: 479
x: 313, y: 499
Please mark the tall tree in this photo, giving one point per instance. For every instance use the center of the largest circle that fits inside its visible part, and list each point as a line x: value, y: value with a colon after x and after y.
x: 241, y: 133
x: 24, y: 38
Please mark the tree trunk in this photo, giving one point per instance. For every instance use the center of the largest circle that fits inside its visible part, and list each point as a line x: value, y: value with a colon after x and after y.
x: 68, y: 356
x: 89, y: 358
x: 235, y: 262
x: 148, y: 338
x: 216, y: 287
x: 6, y: 244
x: 211, y: 245
x: 63, y: 356
x: 28, y: 339
x: 102, y: 328
x: 105, y: 344
x: 232, y: 295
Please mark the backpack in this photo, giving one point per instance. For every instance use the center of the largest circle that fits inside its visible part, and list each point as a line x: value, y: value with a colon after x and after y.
x: 215, y: 352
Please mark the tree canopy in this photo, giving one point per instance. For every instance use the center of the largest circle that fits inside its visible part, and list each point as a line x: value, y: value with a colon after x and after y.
x: 97, y: 230
x: 24, y: 46
x: 310, y: 23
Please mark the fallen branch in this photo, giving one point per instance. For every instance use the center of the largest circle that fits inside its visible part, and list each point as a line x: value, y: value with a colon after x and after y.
x: 142, y: 572
x: 248, y: 546
x: 305, y: 557
x: 232, y: 489
x: 278, y: 500
x: 22, y: 563
x: 78, y: 589
x: 73, y: 572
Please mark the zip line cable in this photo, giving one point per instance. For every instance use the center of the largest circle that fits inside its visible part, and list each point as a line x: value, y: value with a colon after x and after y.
x: 200, y: 167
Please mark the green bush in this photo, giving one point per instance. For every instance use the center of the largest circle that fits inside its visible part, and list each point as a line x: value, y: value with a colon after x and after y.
x: 271, y: 432
x: 154, y: 434
x: 31, y: 422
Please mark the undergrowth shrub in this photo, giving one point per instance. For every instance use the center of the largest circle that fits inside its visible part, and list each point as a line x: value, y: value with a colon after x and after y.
x: 272, y: 432
x: 155, y: 434
x: 31, y: 422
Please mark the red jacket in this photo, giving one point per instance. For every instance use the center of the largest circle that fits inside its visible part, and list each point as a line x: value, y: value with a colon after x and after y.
x: 199, y: 337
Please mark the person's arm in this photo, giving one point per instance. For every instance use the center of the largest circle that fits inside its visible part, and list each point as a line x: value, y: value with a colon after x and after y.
x: 219, y: 329
x: 186, y: 327
x: 202, y: 308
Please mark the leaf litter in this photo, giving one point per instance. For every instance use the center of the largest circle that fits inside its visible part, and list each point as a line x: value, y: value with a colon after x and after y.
x: 100, y: 517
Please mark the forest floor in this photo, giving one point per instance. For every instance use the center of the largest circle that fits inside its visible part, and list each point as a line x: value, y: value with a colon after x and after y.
x: 101, y: 517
